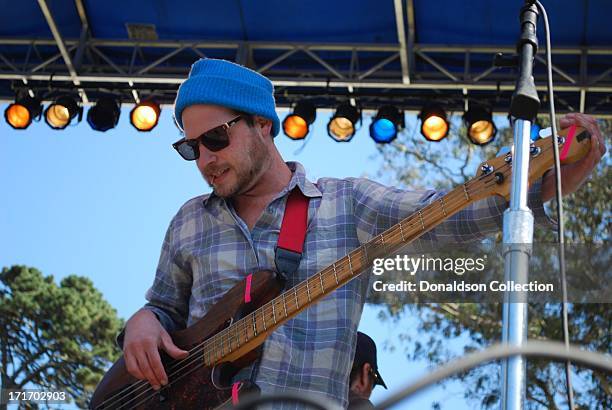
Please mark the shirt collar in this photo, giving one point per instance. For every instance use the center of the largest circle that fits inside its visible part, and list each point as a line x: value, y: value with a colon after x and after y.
x: 298, y: 178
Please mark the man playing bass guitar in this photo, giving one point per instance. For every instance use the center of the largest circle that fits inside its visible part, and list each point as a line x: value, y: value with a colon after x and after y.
x: 214, y: 241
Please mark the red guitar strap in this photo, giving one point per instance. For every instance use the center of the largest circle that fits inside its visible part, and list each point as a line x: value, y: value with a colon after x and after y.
x: 287, y: 256
x: 290, y: 244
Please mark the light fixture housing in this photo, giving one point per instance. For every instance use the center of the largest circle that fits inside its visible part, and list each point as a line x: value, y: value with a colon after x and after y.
x: 481, y: 129
x: 104, y: 115
x: 297, y: 124
x: 342, y: 126
x: 60, y: 113
x: 385, y: 126
x: 145, y: 115
x: 19, y: 115
x: 434, y: 125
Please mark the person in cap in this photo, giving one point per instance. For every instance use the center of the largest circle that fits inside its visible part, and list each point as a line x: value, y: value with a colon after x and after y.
x: 364, y: 374
x: 215, y: 240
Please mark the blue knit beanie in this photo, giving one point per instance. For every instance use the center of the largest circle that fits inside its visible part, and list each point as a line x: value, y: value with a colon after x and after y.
x: 230, y: 85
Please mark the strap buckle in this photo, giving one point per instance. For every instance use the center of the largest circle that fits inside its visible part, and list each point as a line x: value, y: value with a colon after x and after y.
x: 287, y: 262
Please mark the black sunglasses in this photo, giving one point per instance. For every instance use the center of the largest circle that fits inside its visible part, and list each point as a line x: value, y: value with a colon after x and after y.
x: 214, y: 140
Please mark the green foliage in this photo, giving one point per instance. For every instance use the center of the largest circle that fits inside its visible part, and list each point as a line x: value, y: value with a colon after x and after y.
x: 57, y: 338
x: 412, y: 162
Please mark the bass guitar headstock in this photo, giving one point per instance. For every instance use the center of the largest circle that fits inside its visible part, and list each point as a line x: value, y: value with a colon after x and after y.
x: 495, y: 174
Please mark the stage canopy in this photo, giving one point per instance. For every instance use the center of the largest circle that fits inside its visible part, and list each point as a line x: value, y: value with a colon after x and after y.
x: 403, y: 52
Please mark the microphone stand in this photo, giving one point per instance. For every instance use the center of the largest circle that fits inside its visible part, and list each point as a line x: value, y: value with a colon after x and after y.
x: 518, y: 218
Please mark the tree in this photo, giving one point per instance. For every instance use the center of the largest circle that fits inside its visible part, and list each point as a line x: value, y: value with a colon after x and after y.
x: 452, y: 162
x: 55, y: 338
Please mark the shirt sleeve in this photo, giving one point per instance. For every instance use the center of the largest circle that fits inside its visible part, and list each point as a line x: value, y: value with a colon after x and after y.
x: 168, y: 297
x: 378, y: 207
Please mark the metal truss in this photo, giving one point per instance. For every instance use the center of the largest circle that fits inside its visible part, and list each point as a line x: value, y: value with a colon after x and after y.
x: 407, y: 74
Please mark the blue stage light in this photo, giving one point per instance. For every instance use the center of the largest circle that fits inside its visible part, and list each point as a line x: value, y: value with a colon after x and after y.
x: 383, y: 130
x: 386, y: 124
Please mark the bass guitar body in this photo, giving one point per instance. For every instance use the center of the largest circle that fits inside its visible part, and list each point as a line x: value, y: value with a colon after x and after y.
x: 192, y: 384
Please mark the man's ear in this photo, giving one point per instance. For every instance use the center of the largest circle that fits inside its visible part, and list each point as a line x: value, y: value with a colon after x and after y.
x: 264, y: 125
x: 365, y: 375
x: 363, y: 381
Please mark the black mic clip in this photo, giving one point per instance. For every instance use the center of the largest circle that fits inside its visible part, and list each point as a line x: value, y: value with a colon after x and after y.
x: 502, y: 60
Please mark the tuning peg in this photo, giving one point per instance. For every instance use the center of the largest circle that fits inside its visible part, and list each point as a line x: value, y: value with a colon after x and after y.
x: 486, y: 169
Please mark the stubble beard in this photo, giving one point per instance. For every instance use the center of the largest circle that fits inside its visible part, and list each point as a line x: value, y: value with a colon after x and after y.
x: 247, y: 172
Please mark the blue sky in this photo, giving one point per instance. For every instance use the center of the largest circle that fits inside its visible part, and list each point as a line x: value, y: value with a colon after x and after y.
x: 98, y: 205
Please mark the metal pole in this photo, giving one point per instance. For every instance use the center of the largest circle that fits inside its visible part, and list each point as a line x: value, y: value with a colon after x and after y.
x: 518, y: 219
x: 518, y: 237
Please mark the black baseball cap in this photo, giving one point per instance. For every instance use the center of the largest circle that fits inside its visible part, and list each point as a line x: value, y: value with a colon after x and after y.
x: 366, y: 353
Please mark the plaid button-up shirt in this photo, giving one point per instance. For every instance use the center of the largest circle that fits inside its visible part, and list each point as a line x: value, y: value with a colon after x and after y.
x: 208, y: 249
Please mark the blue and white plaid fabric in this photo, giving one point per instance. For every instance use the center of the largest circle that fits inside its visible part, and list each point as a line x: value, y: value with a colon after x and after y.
x: 208, y: 249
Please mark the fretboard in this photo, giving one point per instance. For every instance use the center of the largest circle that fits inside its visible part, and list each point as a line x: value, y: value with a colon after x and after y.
x: 288, y: 304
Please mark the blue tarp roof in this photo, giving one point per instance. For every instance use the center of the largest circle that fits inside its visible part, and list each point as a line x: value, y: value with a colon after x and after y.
x: 458, y: 24
x: 476, y: 22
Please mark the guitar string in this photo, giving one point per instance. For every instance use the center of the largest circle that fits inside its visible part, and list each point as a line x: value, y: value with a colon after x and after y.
x: 203, y: 346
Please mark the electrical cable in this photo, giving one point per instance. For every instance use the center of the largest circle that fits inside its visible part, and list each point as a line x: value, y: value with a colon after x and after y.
x: 558, y: 194
x: 547, y: 349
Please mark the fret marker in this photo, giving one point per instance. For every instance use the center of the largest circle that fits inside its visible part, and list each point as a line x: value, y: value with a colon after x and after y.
x: 443, y: 209
x: 402, y: 232
x: 254, y: 325
x: 421, y: 218
x: 466, y: 192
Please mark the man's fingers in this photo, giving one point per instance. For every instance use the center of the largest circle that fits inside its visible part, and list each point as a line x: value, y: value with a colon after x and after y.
x: 145, y: 368
x: 169, y: 347
x: 132, y: 367
x: 156, y: 366
x: 590, y: 124
x: 565, y: 122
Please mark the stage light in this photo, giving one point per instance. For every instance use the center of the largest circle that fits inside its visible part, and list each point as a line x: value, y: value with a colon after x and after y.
x: 61, y: 112
x: 386, y: 124
x: 20, y: 114
x: 480, y: 127
x: 434, y: 126
x: 341, y: 127
x: 144, y: 116
x: 104, y: 115
x: 296, y: 124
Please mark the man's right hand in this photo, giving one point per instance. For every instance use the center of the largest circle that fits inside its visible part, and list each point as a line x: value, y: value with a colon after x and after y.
x: 144, y: 336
